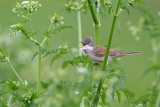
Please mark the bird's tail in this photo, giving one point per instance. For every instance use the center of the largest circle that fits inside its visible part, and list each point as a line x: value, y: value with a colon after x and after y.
x: 130, y: 53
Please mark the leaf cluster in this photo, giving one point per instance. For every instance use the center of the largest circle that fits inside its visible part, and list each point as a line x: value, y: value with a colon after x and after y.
x: 17, y: 93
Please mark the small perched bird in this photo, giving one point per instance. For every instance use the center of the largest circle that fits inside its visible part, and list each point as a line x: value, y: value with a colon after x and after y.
x: 97, y: 53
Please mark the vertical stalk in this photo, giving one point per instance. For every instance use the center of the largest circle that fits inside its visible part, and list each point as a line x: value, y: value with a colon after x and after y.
x: 97, y: 26
x: 96, y: 98
x: 9, y: 101
x: 15, y: 72
x: 96, y: 20
x: 79, y: 37
x: 110, y: 37
x: 79, y: 31
x: 39, y: 70
x: 157, y: 104
x: 31, y: 27
x: 97, y: 35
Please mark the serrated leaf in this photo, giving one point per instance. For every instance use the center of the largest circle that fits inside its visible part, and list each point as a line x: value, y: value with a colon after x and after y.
x: 129, y: 95
x: 118, y: 95
x: 61, y: 28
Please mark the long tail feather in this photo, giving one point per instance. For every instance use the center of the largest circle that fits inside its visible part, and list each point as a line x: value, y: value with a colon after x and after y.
x: 129, y: 53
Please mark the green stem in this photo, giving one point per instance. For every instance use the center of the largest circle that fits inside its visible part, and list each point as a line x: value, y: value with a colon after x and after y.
x: 39, y: 71
x: 110, y: 37
x: 93, y: 13
x: 96, y: 21
x: 157, y: 104
x: 44, y: 40
x: 39, y: 60
x: 97, y: 27
x: 97, y: 35
x: 28, y: 37
x: 31, y: 28
x: 9, y: 102
x: 96, y: 98
x: 15, y: 72
x: 79, y: 31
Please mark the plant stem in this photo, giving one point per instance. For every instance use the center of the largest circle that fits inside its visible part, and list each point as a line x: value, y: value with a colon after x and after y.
x: 79, y: 31
x: 39, y: 70
x: 157, y: 104
x: 15, y: 72
x: 97, y: 35
x: 97, y: 26
x: 9, y: 101
x: 28, y: 37
x: 44, y: 40
x: 96, y: 98
x: 93, y: 13
x: 110, y: 37
x: 31, y: 27
x: 96, y: 21
x: 39, y: 60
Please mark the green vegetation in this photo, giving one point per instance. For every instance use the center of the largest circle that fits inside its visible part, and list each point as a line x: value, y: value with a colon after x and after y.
x: 49, y: 73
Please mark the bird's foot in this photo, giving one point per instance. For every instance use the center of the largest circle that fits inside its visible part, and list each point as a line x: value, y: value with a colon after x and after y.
x: 96, y: 63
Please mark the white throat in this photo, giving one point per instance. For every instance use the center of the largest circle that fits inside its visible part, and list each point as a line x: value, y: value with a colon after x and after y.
x: 86, y: 49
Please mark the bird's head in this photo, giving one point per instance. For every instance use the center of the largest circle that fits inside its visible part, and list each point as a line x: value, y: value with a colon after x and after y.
x: 87, y: 41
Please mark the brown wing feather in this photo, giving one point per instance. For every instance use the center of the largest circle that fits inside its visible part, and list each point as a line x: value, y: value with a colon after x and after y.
x: 100, y: 51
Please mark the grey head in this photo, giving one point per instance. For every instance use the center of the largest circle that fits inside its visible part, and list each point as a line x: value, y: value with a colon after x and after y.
x: 87, y: 41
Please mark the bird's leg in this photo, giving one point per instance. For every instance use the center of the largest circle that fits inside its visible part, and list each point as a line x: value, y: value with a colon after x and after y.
x: 96, y: 63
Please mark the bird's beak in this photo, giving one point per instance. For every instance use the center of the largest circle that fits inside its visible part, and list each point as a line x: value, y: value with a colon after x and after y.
x: 82, y: 45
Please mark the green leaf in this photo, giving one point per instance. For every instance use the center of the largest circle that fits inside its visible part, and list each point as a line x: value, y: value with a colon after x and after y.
x: 34, y: 55
x: 140, y: 1
x: 131, y: 4
x: 129, y: 95
x: 118, y: 95
x: 65, y: 64
x: 103, y: 97
x: 76, y: 60
x: 61, y: 28
x: 53, y: 59
x: 44, y: 85
x: 1, y: 50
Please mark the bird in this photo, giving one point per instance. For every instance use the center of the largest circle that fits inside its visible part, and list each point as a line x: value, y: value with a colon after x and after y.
x: 97, y: 53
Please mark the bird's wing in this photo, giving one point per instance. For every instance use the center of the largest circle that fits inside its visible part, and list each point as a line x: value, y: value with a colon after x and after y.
x: 100, y: 51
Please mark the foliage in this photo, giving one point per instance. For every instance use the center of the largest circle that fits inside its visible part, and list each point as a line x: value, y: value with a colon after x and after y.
x: 26, y: 8
x: 3, y: 55
x: 94, y: 86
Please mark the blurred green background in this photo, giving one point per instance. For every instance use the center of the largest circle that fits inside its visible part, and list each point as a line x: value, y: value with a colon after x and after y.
x: 21, y: 52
